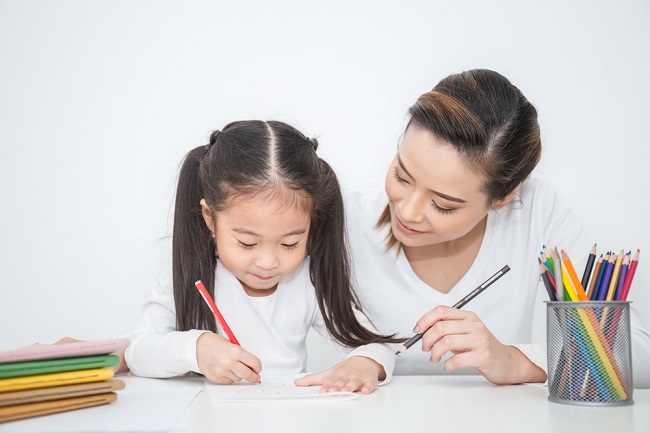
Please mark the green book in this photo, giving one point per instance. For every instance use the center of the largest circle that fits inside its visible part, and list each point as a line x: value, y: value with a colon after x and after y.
x: 32, y: 368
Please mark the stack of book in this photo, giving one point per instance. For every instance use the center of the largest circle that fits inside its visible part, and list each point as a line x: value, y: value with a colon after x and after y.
x: 41, y: 379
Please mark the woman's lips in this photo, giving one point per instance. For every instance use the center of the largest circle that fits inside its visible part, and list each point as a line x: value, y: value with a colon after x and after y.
x: 406, y: 229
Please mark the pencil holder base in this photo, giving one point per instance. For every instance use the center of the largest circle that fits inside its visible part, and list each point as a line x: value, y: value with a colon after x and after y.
x: 589, y: 353
x: 592, y: 403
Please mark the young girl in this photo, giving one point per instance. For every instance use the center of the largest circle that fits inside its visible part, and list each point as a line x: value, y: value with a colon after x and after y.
x: 259, y: 219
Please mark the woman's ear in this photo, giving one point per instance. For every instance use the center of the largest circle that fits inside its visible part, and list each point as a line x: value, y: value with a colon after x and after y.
x: 207, y: 215
x: 505, y: 200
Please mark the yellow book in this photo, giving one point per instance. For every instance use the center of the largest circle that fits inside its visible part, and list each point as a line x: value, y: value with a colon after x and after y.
x: 55, y: 379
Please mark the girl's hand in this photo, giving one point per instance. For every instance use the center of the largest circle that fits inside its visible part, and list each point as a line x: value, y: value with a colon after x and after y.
x: 223, y: 362
x: 464, y: 335
x: 356, y: 373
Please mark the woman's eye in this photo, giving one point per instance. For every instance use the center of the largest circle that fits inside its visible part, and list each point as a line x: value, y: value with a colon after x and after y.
x: 245, y: 246
x: 291, y: 246
x: 442, y: 210
x: 398, y: 178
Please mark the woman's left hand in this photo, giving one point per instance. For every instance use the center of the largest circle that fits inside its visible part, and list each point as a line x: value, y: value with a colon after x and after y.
x: 472, y: 344
x: 356, y: 373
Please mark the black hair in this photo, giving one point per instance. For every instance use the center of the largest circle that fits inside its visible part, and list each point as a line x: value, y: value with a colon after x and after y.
x: 254, y: 157
x: 489, y: 122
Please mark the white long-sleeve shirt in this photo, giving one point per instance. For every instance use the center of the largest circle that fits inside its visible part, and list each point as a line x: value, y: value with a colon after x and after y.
x: 394, y: 297
x: 273, y: 328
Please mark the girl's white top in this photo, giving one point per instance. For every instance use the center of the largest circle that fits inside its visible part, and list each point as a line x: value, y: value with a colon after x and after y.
x: 273, y: 328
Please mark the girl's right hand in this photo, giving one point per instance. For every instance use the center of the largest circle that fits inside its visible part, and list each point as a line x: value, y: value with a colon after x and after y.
x: 223, y: 362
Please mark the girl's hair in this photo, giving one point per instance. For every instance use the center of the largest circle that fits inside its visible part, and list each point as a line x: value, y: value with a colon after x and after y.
x: 245, y: 159
x: 489, y: 122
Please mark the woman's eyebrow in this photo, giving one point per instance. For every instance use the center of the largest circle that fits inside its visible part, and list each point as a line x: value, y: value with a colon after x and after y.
x: 439, y: 194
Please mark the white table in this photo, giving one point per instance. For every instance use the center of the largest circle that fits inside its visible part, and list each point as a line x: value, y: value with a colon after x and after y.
x: 417, y: 404
x: 410, y: 404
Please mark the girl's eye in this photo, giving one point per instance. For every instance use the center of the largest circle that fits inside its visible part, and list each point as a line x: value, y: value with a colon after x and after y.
x: 291, y: 246
x: 442, y: 210
x: 398, y: 178
x: 245, y: 246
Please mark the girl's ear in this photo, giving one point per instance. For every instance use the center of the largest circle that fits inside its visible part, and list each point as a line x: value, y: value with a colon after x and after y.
x: 505, y: 200
x: 207, y: 214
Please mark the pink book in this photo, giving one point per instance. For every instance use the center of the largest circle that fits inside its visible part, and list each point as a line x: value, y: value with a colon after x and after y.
x: 68, y: 350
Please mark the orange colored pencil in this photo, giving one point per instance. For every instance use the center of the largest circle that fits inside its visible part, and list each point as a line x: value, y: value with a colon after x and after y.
x: 577, y: 285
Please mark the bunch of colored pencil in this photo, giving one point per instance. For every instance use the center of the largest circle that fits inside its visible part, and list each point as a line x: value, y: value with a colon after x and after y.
x: 594, y: 359
x: 43, y: 379
x: 609, y: 280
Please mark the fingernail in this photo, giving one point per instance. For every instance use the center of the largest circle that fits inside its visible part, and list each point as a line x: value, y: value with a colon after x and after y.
x: 416, y: 329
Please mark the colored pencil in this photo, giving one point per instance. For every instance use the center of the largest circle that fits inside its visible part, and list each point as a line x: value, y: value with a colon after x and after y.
x: 596, y: 275
x: 580, y: 291
x: 621, y: 277
x: 630, y: 275
x: 549, y: 258
x: 612, y: 284
x: 213, y: 307
x: 474, y: 293
x: 589, y: 267
x: 559, y: 287
x: 607, y: 276
x: 544, y: 273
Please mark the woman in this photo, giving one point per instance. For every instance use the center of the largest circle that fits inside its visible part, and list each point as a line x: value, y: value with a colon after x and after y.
x: 458, y: 206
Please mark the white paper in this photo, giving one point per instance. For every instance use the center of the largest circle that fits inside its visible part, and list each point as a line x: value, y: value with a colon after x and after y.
x: 271, y: 388
x: 137, y: 409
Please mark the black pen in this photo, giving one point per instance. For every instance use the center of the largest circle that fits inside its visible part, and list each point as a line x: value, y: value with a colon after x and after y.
x: 474, y: 293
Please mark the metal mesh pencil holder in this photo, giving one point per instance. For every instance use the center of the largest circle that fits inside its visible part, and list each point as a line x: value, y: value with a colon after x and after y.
x: 589, y: 353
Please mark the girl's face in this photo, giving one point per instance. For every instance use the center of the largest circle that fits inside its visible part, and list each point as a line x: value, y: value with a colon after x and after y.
x: 433, y: 195
x: 259, y: 242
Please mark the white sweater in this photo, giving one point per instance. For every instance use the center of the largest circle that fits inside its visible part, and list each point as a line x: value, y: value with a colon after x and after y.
x: 394, y: 298
x: 273, y: 328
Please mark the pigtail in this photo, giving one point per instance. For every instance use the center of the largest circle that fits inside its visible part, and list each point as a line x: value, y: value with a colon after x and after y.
x: 193, y: 248
x: 330, y: 267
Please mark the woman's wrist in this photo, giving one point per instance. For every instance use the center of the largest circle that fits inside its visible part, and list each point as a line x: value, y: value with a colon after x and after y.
x: 524, y: 370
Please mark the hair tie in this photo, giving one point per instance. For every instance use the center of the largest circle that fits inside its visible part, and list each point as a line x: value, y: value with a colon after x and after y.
x: 213, y: 140
x: 314, y: 143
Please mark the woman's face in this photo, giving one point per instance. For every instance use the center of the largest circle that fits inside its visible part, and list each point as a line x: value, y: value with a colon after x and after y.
x: 433, y: 195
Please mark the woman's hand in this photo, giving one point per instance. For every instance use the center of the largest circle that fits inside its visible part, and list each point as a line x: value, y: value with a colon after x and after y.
x: 223, y: 362
x: 356, y: 373
x: 472, y: 344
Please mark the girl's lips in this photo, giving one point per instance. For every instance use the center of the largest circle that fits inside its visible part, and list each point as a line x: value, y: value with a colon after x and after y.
x: 263, y: 278
x: 405, y: 228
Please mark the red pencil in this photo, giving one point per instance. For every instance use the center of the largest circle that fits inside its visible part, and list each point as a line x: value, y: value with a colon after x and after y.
x: 630, y: 275
x: 208, y: 300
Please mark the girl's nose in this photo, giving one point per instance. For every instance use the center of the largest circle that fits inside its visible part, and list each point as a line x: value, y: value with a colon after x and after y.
x: 266, y: 260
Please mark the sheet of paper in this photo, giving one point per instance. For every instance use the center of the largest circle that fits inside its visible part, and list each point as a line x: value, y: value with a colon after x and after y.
x: 137, y: 409
x: 271, y: 388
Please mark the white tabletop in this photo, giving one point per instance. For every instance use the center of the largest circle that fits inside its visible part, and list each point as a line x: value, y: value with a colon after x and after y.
x: 410, y: 404
x: 421, y: 404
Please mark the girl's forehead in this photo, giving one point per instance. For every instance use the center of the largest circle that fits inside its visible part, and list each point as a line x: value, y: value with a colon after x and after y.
x: 274, y: 201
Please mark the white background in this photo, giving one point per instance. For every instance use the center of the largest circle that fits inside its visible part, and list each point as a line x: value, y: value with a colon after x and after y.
x: 100, y: 100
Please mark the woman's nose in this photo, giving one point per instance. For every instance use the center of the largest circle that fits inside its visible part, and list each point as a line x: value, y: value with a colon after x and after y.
x: 410, y: 208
